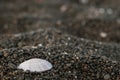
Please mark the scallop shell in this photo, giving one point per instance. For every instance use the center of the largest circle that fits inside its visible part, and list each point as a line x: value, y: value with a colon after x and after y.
x: 35, y: 65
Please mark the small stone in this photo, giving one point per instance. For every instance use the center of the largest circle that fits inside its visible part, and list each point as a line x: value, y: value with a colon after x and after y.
x: 66, y: 43
x: 65, y: 53
x: 59, y: 22
x: 21, y: 44
x: 102, y: 10
x: 49, y: 53
x: 69, y: 71
x: 21, y: 77
x: 109, y: 11
x: 76, y: 77
x: 98, y: 75
x: 107, y: 77
x: 84, y: 1
x: 34, y: 47
x: 11, y: 65
x: 63, y: 8
x: 1, y: 54
x: 77, y: 57
x: 29, y: 47
x: 103, y: 34
x: 1, y: 67
x: 114, y: 61
x: 68, y: 65
x: 5, y: 54
x: 40, y: 45
x: 69, y: 38
x: 118, y: 21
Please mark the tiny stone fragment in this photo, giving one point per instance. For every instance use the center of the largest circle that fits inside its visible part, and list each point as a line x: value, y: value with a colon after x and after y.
x: 107, y: 77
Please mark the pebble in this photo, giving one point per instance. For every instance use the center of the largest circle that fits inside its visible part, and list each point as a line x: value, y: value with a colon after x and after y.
x: 103, y: 34
x: 109, y: 11
x: 11, y: 65
x: 1, y: 54
x: 63, y: 8
x: 102, y: 10
x: 40, y: 45
x: 5, y: 54
x: 84, y: 1
x: 107, y: 77
x: 78, y: 64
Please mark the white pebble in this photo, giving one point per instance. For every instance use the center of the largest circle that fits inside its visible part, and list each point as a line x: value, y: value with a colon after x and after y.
x: 69, y: 38
x: 103, y: 34
x: 63, y: 8
x: 65, y: 53
x: 49, y: 53
x: 76, y: 77
x: 40, y: 45
x: 35, y: 65
x: 66, y: 43
x: 34, y: 47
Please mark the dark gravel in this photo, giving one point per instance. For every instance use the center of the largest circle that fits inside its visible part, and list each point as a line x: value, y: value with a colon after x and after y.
x: 72, y: 57
x: 64, y: 32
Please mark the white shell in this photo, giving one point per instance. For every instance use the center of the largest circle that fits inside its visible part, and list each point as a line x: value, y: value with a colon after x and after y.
x: 35, y: 65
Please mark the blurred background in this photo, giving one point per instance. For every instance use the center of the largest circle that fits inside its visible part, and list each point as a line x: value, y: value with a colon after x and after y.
x: 91, y: 19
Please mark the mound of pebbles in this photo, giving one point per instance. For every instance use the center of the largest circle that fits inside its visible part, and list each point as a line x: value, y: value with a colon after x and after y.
x: 94, y: 29
x: 72, y: 58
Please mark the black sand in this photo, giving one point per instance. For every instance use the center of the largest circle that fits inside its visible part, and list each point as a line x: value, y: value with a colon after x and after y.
x: 72, y: 44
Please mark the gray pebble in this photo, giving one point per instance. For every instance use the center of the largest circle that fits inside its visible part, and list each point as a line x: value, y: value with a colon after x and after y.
x: 107, y: 76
